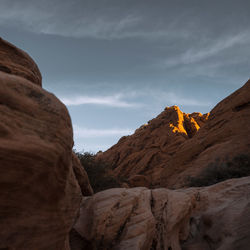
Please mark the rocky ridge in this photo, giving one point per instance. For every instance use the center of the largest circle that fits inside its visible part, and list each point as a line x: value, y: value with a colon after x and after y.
x: 175, y: 145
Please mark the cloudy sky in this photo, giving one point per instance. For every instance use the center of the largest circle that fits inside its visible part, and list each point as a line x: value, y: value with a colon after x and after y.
x: 117, y: 63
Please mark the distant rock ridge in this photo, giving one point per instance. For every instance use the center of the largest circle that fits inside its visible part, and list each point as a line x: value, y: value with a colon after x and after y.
x: 174, y: 145
x: 179, y: 122
x: 152, y: 144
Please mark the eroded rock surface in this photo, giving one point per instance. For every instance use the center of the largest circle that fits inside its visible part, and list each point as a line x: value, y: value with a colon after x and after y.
x: 146, y: 152
x: 215, y: 217
x: 175, y: 145
x: 39, y: 194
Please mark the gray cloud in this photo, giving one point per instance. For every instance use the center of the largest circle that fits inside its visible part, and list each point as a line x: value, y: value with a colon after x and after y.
x: 195, y: 55
x: 126, y: 19
x: 191, y: 37
x: 115, y: 101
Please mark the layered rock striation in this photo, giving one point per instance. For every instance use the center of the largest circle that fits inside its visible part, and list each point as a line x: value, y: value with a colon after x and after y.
x: 169, y: 149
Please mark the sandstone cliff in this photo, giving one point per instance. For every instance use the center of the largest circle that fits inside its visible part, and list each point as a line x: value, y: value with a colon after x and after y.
x: 39, y: 193
x: 175, y: 145
x: 215, y: 217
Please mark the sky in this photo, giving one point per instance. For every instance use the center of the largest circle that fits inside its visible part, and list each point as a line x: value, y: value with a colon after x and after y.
x: 116, y: 64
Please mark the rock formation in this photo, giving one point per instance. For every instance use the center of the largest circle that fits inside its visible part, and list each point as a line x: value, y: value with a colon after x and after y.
x: 39, y: 194
x: 16, y: 62
x: 215, y: 217
x: 175, y: 145
x: 225, y: 135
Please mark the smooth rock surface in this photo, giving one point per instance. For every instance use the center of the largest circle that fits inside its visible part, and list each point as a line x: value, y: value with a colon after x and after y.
x: 17, y: 62
x: 215, y: 217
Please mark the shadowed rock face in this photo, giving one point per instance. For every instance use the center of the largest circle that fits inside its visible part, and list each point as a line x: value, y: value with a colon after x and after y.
x: 81, y: 176
x: 39, y: 193
x: 215, y: 217
x: 175, y: 145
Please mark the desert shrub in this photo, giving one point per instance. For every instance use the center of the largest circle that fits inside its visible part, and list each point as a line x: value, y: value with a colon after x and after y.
x: 218, y: 171
x: 97, y: 172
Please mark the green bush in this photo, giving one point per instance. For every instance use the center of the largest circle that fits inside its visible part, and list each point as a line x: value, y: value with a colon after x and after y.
x: 216, y: 172
x: 97, y: 172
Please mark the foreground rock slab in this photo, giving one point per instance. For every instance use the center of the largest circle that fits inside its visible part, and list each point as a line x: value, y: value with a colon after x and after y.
x: 215, y: 217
